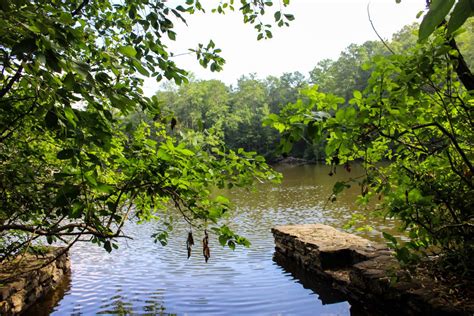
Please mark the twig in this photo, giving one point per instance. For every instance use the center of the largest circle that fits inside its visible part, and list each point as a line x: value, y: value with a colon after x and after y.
x: 80, y: 7
x: 378, y: 35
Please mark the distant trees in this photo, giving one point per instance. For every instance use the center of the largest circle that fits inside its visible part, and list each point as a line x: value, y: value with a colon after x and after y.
x: 234, y: 113
x: 237, y: 113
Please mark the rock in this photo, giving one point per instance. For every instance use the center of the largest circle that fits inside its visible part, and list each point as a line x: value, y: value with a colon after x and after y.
x: 4, y: 308
x: 18, y: 301
x: 5, y: 292
x: 364, y: 271
x: 18, y: 285
x: 335, y: 249
x: 22, y: 292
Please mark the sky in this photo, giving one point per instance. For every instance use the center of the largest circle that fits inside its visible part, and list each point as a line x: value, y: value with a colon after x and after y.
x: 321, y: 29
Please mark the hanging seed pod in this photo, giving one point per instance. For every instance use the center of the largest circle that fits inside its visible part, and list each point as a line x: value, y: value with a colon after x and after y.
x: 364, y: 189
x: 205, y: 246
x: 347, y: 166
x: 189, y: 243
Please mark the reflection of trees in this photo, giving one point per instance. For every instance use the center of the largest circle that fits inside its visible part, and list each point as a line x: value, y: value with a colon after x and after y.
x: 46, y: 305
x: 121, y: 306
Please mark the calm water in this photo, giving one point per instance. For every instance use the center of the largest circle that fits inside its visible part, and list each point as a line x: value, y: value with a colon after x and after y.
x: 142, y: 277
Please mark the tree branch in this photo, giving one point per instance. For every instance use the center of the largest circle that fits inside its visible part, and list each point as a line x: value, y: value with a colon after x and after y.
x: 87, y: 230
x: 377, y: 33
x: 10, y: 83
x: 462, y: 69
x: 456, y: 145
x: 80, y: 7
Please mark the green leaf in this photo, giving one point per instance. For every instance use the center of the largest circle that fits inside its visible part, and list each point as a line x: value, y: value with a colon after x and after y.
x: 187, y: 152
x: 162, y: 237
x: 436, y: 14
x: 223, y: 240
x: 77, y: 210
x: 108, y: 246
x: 163, y: 155
x: 138, y: 66
x: 357, y: 94
x: 27, y: 45
x: 172, y: 35
x: 339, y: 187
x: 50, y: 239
x: 390, y: 238
x: 128, y: 51
x: 70, y: 115
x: 463, y: 10
x: 51, y: 120
x: 277, y: 16
x: 52, y: 61
x: 104, y: 188
x: 90, y: 179
x: 66, y: 154
x: 403, y: 255
x: 222, y: 199
x: 69, y: 81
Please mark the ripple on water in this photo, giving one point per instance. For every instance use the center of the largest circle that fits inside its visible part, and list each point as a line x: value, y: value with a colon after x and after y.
x: 142, y: 277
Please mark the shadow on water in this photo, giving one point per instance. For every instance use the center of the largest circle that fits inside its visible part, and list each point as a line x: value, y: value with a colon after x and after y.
x: 45, y: 305
x: 323, y: 288
x: 327, y: 294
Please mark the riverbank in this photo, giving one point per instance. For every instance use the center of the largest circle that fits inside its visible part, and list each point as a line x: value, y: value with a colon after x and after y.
x: 29, y: 277
x: 367, y: 272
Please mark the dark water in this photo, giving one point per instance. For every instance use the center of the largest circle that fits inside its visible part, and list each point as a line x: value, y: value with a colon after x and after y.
x: 144, y: 278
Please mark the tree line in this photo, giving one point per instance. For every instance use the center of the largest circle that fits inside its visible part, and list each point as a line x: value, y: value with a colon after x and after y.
x: 237, y: 112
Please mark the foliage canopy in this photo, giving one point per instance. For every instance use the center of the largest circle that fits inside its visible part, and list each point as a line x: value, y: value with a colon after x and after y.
x: 73, y: 164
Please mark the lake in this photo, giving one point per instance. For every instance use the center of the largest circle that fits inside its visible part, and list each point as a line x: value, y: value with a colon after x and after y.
x: 144, y: 278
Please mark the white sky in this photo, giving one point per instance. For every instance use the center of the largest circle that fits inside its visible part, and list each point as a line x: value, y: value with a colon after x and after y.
x: 321, y: 29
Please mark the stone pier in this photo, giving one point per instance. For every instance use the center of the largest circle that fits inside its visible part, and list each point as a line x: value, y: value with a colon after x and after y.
x: 24, y: 280
x: 363, y: 271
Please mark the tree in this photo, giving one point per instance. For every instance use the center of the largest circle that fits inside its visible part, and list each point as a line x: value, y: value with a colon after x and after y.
x: 416, y: 115
x: 346, y: 74
x: 234, y: 113
x: 74, y: 164
x: 198, y: 105
x: 248, y: 107
x: 284, y: 90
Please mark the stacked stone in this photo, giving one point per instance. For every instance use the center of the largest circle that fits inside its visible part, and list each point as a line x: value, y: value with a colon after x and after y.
x: 21, y: 291
x: 363, y: 271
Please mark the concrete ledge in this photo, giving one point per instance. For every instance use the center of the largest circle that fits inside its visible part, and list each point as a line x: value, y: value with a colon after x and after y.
x: 23, y: 280
x: 361, y: 270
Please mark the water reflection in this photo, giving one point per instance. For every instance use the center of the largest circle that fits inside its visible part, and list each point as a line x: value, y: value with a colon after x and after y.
x: 46, y: 304
x: 142, y: 277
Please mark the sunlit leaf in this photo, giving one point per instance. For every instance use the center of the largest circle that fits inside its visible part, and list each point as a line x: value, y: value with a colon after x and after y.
x: 462, y: 11
x: 128, y: 51
x: 436, y: 14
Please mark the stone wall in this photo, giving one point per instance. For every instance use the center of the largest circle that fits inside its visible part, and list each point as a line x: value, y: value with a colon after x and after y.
x: 22, y: 283
x: 366, y: 272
